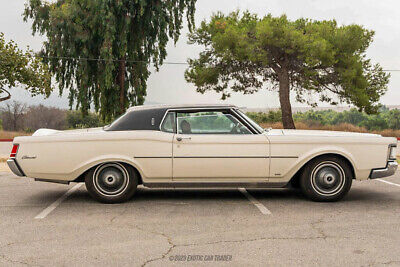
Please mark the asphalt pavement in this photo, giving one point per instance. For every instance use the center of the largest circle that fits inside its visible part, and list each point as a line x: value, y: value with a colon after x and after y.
x: 44, y: 224
x: 5, y: 149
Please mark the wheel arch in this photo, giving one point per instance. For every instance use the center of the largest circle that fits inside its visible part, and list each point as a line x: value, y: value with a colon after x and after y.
x: 295, y: 178
x: 81, y: 176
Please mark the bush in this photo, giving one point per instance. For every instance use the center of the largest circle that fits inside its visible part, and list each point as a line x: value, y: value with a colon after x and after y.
x: 385, y: 119
x: 75, y: 119
x: 261, y: 117
x: 16, y: 116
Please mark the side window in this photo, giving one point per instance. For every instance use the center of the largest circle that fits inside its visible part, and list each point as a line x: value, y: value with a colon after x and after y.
x: 168, y: 124
x: 209, y: 122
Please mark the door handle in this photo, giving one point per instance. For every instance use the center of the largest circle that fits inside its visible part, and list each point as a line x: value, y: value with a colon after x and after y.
x: 179, y: 138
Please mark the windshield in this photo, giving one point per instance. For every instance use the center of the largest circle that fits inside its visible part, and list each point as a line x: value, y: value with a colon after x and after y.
x: 253, y: 123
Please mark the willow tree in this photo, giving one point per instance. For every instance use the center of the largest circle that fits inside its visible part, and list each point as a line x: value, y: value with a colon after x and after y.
x: 319, y: 61
x: 22, y: 68
x: 100, y: 50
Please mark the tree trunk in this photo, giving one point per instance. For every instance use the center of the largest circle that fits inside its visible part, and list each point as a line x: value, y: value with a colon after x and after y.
x: 121, y: 83
x: 284, y: 98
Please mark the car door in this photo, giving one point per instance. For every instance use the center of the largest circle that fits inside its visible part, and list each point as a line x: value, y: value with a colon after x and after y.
x: 215, y: 146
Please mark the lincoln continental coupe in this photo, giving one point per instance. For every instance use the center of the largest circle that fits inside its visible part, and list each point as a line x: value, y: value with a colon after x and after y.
x: 197, y: 146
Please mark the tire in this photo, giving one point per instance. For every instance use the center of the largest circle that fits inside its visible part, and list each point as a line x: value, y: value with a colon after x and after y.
x: 326, y: 178
x: 111, y: 182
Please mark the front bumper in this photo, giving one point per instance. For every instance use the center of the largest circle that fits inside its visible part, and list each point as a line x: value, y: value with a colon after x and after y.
x: 390, y: 169
x: 14, y: 167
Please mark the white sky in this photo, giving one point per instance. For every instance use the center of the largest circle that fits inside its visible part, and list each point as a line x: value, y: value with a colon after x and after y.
x: 169, y: 86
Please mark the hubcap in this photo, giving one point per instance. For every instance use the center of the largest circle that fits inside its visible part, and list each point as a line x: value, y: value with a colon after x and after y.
x: 111, y: 179
x: 327, y: 178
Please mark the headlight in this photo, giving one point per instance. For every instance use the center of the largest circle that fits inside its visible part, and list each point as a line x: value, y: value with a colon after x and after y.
x: 392, y: 152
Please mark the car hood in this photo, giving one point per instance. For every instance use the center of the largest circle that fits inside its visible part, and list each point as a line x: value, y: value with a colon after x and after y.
x: 288, y: 132
x: 44, y: 132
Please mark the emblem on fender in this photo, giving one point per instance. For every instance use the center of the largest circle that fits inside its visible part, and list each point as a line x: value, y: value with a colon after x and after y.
x: 28, y: 157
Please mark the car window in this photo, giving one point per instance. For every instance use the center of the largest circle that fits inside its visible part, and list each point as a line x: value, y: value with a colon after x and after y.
x: 168, y: 124
x: 209, y: 122
x: 252, y: 122
x: 141, y: 119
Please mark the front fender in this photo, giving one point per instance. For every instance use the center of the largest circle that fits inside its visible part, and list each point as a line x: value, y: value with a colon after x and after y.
x: 305, y: 157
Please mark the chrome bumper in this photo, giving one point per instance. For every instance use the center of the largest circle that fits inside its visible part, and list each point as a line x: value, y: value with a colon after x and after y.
x: 390, y: 169
x: 13, y: 165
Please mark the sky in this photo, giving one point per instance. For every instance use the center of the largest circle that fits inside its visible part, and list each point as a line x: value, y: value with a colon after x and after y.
x: 168, y: 86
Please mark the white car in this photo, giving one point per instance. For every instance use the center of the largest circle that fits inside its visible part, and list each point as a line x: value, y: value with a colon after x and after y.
x: 201, y: 146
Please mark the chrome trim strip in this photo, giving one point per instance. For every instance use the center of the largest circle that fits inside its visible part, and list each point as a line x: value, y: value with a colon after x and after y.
x: 221, y: 157
x: 162, y: 121
x: 284, y: 157
x: 14, y: 167
x: 154, y: 157
x: 390, y: 169
x: 52, y: 181
x: 215, y: 185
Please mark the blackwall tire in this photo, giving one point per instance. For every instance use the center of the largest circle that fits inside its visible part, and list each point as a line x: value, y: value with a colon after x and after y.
x: 326, y: 178
x: 111, y: 182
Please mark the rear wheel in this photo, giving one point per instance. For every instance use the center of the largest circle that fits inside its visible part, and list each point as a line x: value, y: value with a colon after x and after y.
x: 111, y: 182
x: 326, y: 178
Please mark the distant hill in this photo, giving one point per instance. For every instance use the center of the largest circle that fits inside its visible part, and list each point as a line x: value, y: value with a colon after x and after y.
x: 304, y: 109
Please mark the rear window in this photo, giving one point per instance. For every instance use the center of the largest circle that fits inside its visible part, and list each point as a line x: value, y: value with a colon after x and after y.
x: 146, y: 119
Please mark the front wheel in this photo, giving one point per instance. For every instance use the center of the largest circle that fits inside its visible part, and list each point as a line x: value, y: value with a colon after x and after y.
x: 326, y: 178
x: 111, y: 182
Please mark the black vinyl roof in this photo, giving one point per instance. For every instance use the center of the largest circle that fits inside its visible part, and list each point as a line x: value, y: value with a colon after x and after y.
x: 150, y: 117
x: 141, y: 119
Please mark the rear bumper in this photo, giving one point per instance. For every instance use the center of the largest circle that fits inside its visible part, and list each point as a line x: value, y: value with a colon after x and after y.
x: 390, y: 169
x: 14, y: 167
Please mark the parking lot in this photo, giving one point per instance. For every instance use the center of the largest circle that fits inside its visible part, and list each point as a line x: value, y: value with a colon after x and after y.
x: 41, y: 224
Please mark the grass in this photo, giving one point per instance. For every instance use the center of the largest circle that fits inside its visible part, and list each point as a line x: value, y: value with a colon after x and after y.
x: 345, y: 127
x: 11, y: 135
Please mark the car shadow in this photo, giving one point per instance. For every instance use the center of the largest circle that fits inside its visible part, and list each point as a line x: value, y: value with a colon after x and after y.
x: 286, y: 195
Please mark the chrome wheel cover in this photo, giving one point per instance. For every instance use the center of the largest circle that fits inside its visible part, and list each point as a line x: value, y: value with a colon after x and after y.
x: 328, y: 178
x: 111, y: 179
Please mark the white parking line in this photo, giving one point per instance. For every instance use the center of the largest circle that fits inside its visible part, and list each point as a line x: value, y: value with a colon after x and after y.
x: 255, y: 202
x: 55, y: 204
x: 387, y: 182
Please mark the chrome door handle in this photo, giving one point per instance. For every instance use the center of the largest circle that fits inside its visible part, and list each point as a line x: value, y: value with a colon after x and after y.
x: 179, y: 138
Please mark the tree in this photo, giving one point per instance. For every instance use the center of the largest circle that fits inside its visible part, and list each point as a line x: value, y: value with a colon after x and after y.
x: 75, y: 119
x: 22, y: 68
x: 311, y: 58
x: 41, y: 116
x: 12, y: 116
x: 101, y: 50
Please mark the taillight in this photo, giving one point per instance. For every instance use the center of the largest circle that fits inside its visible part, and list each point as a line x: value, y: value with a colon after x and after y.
x: 14, y: 151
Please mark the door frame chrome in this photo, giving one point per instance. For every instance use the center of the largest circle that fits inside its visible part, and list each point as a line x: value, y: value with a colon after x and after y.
x: 231, y: 109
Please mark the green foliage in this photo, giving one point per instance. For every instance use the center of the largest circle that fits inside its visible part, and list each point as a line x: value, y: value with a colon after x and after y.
x: 22, y: 68
x: 76, y: 119
x: 318, y: 60
x: 270, y: 117
x: 125, y: 35
x: 385, y: 119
